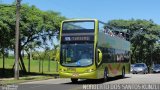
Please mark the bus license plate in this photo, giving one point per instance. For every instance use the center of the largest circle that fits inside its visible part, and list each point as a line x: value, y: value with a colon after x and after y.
x: 72, y: 69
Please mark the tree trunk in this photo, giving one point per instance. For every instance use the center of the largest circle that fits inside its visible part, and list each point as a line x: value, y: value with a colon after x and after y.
x: 3, y: 62
x: 29, y: 58
x: 42, y: 65
x: 3, y: 59
x: 49, y: 63
x: 39, y: 62
x: 133, y: 54
x: 21, y: 60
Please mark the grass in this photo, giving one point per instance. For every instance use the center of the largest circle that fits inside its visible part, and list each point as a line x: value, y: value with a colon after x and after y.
x: 34, y: 65
x: 6, y: 77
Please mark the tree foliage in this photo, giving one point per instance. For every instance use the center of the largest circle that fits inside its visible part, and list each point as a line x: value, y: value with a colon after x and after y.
x: 143, y: 37
x: 36, y: 27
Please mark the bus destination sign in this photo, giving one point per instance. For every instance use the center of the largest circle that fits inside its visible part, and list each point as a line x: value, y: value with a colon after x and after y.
x: 78, y: 38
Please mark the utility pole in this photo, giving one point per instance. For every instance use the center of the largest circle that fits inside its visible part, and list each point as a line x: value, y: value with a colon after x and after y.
x: 29, y: 60
x: 16, y: 72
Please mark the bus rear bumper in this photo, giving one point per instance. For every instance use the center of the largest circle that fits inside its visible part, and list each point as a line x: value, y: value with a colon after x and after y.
x: 88, y: 75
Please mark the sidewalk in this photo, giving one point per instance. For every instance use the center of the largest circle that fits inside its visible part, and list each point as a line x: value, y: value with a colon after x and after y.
x: 24, y: 79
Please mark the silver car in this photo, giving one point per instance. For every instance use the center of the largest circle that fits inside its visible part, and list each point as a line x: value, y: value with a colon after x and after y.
x: 140, y: 68
x: 132, y: 66
x: 156, y: 68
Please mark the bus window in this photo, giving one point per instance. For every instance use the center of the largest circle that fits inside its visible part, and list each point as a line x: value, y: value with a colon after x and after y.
x: 101, y: 27
x: 77, y: 54
x: 78, y: 25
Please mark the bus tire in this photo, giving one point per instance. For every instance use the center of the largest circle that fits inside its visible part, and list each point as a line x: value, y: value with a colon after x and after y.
x: 123, y: 72
x: 105, y: 78
x: 74, y: 80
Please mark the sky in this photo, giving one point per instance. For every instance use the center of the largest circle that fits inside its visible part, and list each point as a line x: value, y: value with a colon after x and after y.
x: 103, y: 10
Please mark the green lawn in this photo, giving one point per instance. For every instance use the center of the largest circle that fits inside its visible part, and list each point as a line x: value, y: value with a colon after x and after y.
x: 7, y: 76
x: 34, y: 65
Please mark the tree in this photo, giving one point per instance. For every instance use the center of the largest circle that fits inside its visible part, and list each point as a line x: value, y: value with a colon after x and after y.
x: 6, y: 34
x: 143, y: 35
x: 36, y: 27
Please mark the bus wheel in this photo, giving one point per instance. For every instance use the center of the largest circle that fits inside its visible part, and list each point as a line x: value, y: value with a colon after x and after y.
x: 105, y: 79
x: 123, y: 73
x: 74, y: 80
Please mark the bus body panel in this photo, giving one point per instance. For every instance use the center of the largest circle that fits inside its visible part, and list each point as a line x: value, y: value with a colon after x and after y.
x: 89, y: 72
x: 116, y: 44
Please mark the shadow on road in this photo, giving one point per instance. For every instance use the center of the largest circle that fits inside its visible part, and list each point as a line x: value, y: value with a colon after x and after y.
x: 96, y: 81
x: 9, y: 73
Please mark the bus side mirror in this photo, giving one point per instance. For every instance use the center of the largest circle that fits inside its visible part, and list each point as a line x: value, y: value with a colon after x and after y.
x: 99, y: 56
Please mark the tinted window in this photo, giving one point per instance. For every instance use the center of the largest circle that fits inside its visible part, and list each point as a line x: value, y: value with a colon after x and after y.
x: 77, y: 54
x: 78, y: 25
x: 139, y: 65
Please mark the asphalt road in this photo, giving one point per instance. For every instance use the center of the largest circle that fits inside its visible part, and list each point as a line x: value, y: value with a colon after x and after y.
x: 115, y: 83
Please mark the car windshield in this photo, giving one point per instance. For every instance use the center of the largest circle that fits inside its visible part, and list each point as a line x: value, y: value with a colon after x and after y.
x: 139, y: 65
x: 76, y: 54
x: 157, y: 66
x: 132, y: 65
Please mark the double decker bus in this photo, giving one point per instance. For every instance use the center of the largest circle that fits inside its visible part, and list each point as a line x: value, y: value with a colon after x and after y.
x: 88, y: 50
